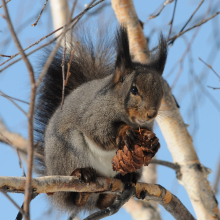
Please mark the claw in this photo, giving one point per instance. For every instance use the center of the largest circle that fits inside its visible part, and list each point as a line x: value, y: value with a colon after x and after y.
x: 85, y: 174
x: 118, y: 141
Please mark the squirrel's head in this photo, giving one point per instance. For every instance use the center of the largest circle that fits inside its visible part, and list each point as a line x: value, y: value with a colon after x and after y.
x: 139, y: 86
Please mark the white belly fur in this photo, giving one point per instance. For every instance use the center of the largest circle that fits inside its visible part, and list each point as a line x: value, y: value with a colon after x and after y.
x: 101, y: 160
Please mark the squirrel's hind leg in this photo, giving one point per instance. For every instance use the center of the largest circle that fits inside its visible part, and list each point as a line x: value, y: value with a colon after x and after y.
x: 85, y: 175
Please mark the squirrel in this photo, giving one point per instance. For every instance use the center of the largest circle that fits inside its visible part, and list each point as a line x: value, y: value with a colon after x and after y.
x: 107, y: 97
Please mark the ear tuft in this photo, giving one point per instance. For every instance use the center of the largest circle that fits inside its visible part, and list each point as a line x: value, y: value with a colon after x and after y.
x: 159, y: 56
x: 123, y: 63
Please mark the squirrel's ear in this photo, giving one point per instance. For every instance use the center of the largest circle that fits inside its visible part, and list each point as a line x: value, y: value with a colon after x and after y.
x: 123, y: 63
x: 159, y: 57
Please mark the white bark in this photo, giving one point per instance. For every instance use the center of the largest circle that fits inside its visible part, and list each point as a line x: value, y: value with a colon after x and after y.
x: 180, y: 144
x: 60, y: 13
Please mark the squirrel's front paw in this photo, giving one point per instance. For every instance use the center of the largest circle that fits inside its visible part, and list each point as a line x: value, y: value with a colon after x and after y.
x: 141, y: 153
x: 126, y: 136
x: 85, y: 174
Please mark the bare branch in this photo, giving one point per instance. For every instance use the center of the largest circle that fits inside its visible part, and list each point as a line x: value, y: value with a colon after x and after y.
x: 12, y: 201
x: 213, y: 87
x: 51, y: 184
x: 126, y: 15
x: 7, y: 96
x: 172, y: 19
x: 13, y: 139
x: 5, y: 3
x: 2, y: 55
x: 197, y: 25
x: 173, y: 166
x: 189, y: 19
x: 37, y: 42
x: 35, y: 23
x: 63, y: 72
x: 142, y: 209
x: 30, y: 112
x: 164, y: 4
x: 53, y: 53
x: 33, y: 51
x: 69, y: 63
x: 20, y: 214
x: 12, y: 101
x: 208, y: 65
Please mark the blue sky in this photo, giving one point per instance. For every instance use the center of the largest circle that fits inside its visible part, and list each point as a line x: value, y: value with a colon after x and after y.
x: 200, y: 105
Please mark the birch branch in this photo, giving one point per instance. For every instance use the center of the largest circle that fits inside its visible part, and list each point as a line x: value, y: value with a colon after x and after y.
x: 52, y: 184
x: 179, y: 142
x: 194, y: 176
x: 143, y: 209
x: 15, y: 139
x: 59, y: 8
x: 126, y: 15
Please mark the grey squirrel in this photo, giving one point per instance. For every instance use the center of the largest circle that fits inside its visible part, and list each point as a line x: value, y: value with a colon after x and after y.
x: 107, y: 97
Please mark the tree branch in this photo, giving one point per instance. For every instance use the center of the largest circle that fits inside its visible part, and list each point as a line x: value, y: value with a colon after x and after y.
x: 170, y: 40
x: 30, y: 112
x: 52, y: 184
x: 179, y: 142
x: 119, y: 202
x: 126, y: 15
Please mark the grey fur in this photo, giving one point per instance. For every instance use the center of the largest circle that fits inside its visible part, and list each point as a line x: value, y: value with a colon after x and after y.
x: 83, y: 134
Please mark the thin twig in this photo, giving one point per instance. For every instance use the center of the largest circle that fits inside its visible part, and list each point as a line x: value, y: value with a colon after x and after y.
x: 13, y: 202
x: 20, y: 215
x: 183, y: 57
x: 11, y: 100
x: 171, y: 22
x: 20, y: 163
x: 69, y: 64
x: 6, y: 140
x: 208, y: 65
x: 12, y: 139
x: 34, y: 24
x: 189, y: 19
x: 7, y: 96
x: 53, y: 53
x: 37, y: 42
x: 164, y: 4
x: 213, y: 87
x: 30, y: 112
x: 28, y: 54
x: 2, y: 55
x: 197, y: 25
x: 206, y: 93
x: 173, y: 166
x: 5, y: 3
x: 63, y: 72
x: 64, y: 53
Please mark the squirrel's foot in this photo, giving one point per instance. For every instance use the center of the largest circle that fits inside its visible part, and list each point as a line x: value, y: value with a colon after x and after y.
x: 105, y: 200
x: 85, y: 174
x: 126, y: 136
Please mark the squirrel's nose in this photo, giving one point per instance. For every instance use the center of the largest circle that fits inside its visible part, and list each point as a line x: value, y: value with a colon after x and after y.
x: 151, y: 114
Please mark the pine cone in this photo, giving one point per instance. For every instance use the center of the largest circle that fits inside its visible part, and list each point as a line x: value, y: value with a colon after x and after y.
x: 140, y: 153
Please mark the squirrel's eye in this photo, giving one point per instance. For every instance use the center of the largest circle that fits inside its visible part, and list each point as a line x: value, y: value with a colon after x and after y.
x: 134, y: 90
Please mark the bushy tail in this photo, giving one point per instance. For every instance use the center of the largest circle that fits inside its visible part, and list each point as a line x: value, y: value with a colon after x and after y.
x: 93, y: 58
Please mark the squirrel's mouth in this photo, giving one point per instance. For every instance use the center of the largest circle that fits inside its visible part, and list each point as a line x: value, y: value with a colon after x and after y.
x: 139, y: 121
x: 142, y: 122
